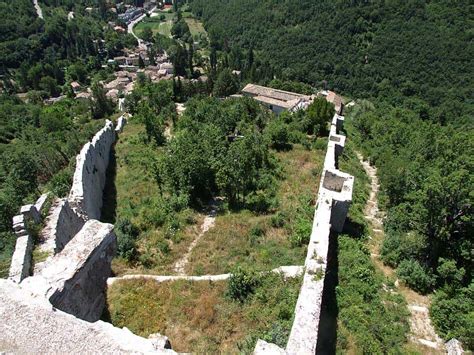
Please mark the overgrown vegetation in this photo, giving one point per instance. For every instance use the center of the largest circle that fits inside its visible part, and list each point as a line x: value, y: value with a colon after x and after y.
x: 427, y: 186
x: 219, y: 148
x: 38, y: 146
x: 265, y: 241
x: 200, y: 317
x: 372, y: 316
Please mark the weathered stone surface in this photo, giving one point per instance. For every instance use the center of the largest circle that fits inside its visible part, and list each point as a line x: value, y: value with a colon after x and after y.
x: 90, y: 174
x: 74, y: 280
x: 30, y: 325
x: 40, y: 203
x: 121, y: 122
x: 21, y: 260
x: 18, y: 219
x: 454, y: 347
x: 62, y: 225
x: 264, y: 348
x: 30, y: 211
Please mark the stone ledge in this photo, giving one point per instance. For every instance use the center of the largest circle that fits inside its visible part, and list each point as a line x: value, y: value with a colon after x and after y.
x: 74, y: 280
x: 30, y: 324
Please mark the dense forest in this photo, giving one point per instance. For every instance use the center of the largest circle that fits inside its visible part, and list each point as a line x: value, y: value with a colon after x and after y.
x: 411, y: 52
x: 412, y: 60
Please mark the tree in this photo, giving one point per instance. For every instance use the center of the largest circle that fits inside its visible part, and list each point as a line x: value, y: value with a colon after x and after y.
x: 141, y: 62
x: 100, y: 104
x: 318, y: 115
x: 190, y: 56
x: 213, y: 58
x: 179, y: 58
x: 226, y: 84
x: 147, y: 34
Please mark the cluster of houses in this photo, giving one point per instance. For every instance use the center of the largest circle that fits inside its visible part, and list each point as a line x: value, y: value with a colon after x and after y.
x: 128, y: 71
x: 280, y: 100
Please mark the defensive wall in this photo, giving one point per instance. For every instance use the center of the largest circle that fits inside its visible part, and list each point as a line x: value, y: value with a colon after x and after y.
x: 66, y: 291
x: 80, y: 248
x: 333, y: 202
x: 52, y: 310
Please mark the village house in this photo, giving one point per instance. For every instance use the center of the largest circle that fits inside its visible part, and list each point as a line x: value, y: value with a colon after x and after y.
x: 76, y: 87
x: 167, y: 68
x: 277, y: 100
x: 333, y: 98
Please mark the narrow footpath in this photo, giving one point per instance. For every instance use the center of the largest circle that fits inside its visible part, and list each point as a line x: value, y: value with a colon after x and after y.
x: 207, y: 224
x: 39, y: 12
x: 422, y: 333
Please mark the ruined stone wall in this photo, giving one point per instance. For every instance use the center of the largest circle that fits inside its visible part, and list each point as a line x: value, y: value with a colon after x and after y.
x: 332, y: 206
x: 20, y: 265
x: 31, y: 325
x: 90, y: 174
x: 75, y: 279
x: 66, y: 219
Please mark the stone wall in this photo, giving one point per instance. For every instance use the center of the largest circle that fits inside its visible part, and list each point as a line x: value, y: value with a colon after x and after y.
x: 31, y: 325
x: 75, y: 279
x: 332, y: 206
x: 62, y: 225
x: 90, y: 174
x: 21, y: 260
x: 67, y: 218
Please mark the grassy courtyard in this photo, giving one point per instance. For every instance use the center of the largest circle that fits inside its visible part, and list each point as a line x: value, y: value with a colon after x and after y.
x: 239, y: 237
x: 199, y: 317
x: 265, y: 241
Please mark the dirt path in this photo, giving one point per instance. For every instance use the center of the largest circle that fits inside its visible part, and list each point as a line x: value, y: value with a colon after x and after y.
x: 291, y: 271
x: 207, y: 224
x: 39, y: 12
x: 422, y: 333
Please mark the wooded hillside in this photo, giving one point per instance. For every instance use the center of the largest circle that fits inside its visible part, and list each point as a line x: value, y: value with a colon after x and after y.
x: 413, y: 52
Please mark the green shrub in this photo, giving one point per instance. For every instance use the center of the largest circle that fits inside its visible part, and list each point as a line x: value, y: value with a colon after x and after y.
x: 255, y: 234
x: 261, y: 201
x: 242, y: 284
x: 453, y: 314
x: 415, y: 276
x: 320, y: 144
x: 278, y: 135
x: 163, y: 246
x: 61, y: 183
x: 278, y: 220
x: 127, y: 234
x: 301, y: 232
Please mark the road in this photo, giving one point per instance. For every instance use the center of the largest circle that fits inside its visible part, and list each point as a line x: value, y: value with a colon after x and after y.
x: 38, y: 9
x: 134, y: 22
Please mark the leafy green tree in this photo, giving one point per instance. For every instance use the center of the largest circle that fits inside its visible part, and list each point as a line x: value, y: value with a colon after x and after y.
x: 100, y: 104
x: 147, y: 34
x: 226, y: 84
x: 318, y: 116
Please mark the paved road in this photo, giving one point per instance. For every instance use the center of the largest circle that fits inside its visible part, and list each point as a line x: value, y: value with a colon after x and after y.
x: 134, y: 22
x: 38, y: 9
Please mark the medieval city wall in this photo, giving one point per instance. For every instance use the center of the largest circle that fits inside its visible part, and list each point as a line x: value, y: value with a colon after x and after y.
x: 90, y: 174
x: 74, y: 280
x: 68, y: 216
x: 332, y: 206
x: 21, y: 260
